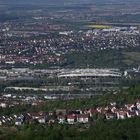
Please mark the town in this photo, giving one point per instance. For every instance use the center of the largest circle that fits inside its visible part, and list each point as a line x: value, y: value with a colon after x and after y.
x: 69, y: 70
x: 52, y: 50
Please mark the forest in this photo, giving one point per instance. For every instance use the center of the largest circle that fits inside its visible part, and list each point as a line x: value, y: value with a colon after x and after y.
x: 103, y: 130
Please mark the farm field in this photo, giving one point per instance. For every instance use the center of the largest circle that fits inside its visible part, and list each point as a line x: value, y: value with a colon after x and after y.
x: 99, y: 26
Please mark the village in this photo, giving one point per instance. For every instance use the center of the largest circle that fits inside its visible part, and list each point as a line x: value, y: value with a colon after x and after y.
x: 68, y: 116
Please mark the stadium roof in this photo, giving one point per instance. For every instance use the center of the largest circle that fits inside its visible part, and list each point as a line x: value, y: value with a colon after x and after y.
x: 90, y: 73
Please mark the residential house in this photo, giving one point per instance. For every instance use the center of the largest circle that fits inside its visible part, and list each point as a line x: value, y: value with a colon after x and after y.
x: 18, y: 121
x: 113, y: 109
x: 121, y: 114
x: 138, y: 112
x: 92, y: 112
x: 40, y: 117
x: 82, y: 118
x: 130, y: 107
x: 138, y: 105
x: 131, y: 114
x: 0, y: 122
x: 71, y: 119
x: 102, y: 110
x: 3, y: 104
x: 61, y: 119
x: 110, y: 115
x: 51, y: 121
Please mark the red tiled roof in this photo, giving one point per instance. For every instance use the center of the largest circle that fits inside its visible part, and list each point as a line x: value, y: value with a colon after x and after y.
x: 93, y: 110
x: 82, y: 116
x: 122, y: 113
x: 129, y: 105
x: 70, y: 117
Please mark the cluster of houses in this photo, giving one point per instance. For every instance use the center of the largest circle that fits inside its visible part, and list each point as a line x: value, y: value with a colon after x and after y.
x: 4, y: 103
x: 37, y: 51
x: 63, y: 116
x: 8, y: 104
x: 58, y: 116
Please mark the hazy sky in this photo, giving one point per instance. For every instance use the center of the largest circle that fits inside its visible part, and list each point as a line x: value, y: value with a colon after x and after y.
x: 60, y: 1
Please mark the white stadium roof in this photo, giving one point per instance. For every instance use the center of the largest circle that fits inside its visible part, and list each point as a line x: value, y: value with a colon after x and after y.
x: 90, y: 73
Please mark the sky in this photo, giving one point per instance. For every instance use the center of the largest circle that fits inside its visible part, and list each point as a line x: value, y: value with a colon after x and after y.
x: 48, y: 2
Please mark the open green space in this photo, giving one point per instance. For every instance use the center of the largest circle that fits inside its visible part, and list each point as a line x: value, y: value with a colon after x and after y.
x: 104, y: 59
